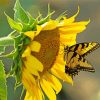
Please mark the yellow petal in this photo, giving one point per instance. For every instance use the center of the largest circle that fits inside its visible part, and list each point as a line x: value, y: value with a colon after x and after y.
x: 48, y: 90
x: 28, y: 81
x: 28, y: 96
x: 60, y: 66
x: 39, y: 28
x: 33, y: 65
x: 77, y: 24
x: 26, y: 52
x: 28, y: 84
x: 61, y: 60
x: 61, y: 50
x: 30, y: 34
x: 31, y: 85
x: 74, y: 30
x: 62, y: 75
x: 27, y: 75
x: 54, y: 82
x: 31, y: 69
x: 67, y: 21
x: 38, y: 95
x: 35, y: 46
x: 50, y: 25
x: 68, y: 39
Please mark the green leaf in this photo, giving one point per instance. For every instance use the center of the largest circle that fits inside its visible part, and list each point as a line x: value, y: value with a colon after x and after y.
x: 61, y: 16
x: 20, y: 14
x: 27, y: 41
x: 31, y: 19
x: 2, y: 49
x: 6, y: 41
x: 46, y: 19
x: 13, y: 33
x: 13, y: 24
x: 12, y: 54
x: 3, y: 87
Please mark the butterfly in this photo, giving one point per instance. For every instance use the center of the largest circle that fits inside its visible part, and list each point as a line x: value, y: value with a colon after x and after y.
x: 75, y: 57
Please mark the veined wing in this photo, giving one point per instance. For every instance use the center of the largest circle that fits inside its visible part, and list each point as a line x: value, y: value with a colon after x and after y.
x: 84, y: 48
x: 76, y: 63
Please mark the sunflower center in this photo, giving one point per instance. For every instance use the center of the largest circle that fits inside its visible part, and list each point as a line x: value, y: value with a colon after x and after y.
x: 50, y: 42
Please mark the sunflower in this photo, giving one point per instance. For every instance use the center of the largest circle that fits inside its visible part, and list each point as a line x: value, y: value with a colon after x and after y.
x: 43, y: 63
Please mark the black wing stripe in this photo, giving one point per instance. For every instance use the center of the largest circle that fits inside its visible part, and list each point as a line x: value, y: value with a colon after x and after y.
x: 89, y: 69
x: 75, y: 60
x: 83, y: 45
x: 92, y: 49
x: 87, y: 44
x: 72, y: 47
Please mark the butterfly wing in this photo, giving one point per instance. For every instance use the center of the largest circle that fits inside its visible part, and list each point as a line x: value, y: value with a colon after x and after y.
x: 76, y: 63
x: 84, y: 48
x: 85, y: 66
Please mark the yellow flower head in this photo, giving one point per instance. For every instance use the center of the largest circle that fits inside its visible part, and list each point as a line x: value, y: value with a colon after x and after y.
x: 43, y: 63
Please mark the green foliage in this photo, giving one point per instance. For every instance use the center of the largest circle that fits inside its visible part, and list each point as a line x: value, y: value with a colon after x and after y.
x: 2, y: 49
x: 6, y: 41
x: 61, y: 16
x: 13, y: 24
x: 20, y: 15
x: 23, y: 17
x: 21, y: 23
x: 48, y: 17
x: 3, y: 87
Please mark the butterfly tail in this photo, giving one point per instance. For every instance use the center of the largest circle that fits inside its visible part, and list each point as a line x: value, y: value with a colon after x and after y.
x: 88, y: 69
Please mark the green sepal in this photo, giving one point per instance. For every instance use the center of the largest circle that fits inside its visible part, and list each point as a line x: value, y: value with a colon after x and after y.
x: 12, y: 54
x: 6, y: 41
x: 23, y: 89
x: 26, y: 27
x: 31, y: 19
x: 47, y: 18
x: 2, y: 49
x: 17, y: 85
x: 30, y: 26
x: 3, y: 86
x: 26, y: 41
x: 18, y: 71
x: 13, y: 24
x: 61, y: 16
x: 20, y: 15
x: 18, y: 39
x: 12, y: 34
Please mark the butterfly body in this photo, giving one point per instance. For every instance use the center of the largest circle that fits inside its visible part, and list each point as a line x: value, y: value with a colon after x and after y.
x: 75, y: 57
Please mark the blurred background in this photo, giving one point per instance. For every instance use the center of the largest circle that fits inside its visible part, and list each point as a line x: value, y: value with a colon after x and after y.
x: 86, y: 85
